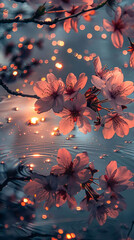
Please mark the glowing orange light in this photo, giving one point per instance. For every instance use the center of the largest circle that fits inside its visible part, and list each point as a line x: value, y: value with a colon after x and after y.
x: 104, y: 36
x: 73, y: 235
x: 43, y: 79
x: 2, y: 5
x: 68, y: 236
x: 108, y: 202
x: 78, y: 208
x: 31, y: 166
x: 82, y: 27
x: 15, y: 73
x: 59, y: 65
x: 56, y: 128
x: 8, y: 36
x: 61, y: 43
x: 54, y: 43
x: 48, y: 20
x: 44, y: 216
x: 23, y: 204
x: 53, y: 58
x: 25, y: 200
x: 37, y: 155
x: 69, y: 50
x: 97, y: 28
x: 48, y: 160
x: 60, y: 231
x: 125, y: 52
x: 116, y: 206
x: 4, y: 67
x: 9, y: 120
x: 33, y: 121
x: 21, y: 218
x: 30, y: 46
x: 20, y: 45
x: 6, y: 226
x: 42, y: 119
x: 39, y: 26
x: 89, y: 35
x: 22, y: 39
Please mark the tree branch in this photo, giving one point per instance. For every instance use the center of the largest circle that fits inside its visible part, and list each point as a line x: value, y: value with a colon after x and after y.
x: 56, y: 20
x: 130, y: 230
x: 17, y: 93
x: 5, y: 183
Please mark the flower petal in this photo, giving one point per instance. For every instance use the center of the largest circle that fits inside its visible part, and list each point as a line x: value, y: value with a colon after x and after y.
x: 66, y: 125
x: 81, y: 82
x: 43, y: 106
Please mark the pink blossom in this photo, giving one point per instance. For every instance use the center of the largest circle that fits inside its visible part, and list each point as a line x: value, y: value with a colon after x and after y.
x: 116, y: 91
x: 97, y: 209
x: 102, y: 74
x: 116, y: 123
x: 76, y: 111
x: 115, y: 179
x: 72, y: 173
x: 50, y: 93
x: 73, y: 85
x: 104, y: 206
x: 73, y: 22
x: 121, y: 25
x: 43, y: 189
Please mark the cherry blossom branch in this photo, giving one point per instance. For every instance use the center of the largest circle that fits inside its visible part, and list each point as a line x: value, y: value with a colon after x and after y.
x: 16, y: 93
x: 10, y: 179
x: 56, y: 20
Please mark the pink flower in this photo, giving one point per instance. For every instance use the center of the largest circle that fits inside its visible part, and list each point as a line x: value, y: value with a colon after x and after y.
x: 104, y: 206
x: 116, y: 91
x: 76, y: 111
x: 73, y: 22
x: 115, y: 179
x: 97, y: 209
x: 73, y: 85
x: 43, y: 189
x: 122, y: 25
x: 71, y: 172
x: 50, y: 93
x: 102, y: 74
x: 119, y: 124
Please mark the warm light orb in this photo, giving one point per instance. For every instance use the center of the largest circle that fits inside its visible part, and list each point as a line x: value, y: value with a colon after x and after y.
x: 33, y: 121
x: 68, y: 236
x: 42, y: 119
x: 15, y: 73
x: 78, y: 208
x: 59, y: 65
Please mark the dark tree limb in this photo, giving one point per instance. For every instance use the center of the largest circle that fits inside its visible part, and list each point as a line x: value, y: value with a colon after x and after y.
x: 48, y: 23
x: 16, y: 93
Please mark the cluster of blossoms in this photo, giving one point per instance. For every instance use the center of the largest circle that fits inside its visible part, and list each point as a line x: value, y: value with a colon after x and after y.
x: 68, y: 178
x: 73, y: 107
x: 122, y: 25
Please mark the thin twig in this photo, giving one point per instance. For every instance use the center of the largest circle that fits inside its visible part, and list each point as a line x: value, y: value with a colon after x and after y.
x: 56, y: 20
x: 17, y: 93
x: 131, y: 228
